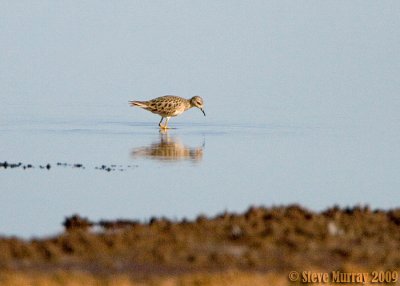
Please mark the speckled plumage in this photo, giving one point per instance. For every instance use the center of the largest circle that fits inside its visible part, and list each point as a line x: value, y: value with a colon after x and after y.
x: 169, y: 106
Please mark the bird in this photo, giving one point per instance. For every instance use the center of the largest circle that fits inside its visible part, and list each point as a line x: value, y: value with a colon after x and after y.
x: 168, y: 106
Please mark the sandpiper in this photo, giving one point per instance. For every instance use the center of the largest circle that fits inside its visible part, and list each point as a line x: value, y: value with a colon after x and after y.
x: 169, y: 106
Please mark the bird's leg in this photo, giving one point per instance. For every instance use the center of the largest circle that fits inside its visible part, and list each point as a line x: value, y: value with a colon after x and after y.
x: 166, y: 123
x: 165, y: 126
x: 159, y: 124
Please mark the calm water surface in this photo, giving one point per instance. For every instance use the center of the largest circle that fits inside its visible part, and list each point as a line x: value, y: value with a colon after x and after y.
x: 302, y: 104
x: 198, y: 167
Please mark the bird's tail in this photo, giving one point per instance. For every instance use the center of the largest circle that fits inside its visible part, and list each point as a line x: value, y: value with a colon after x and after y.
x: 138, y: 103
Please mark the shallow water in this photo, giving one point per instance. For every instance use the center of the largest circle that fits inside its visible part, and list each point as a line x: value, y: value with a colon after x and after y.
x: 194, y: 168
x: 302, y: 107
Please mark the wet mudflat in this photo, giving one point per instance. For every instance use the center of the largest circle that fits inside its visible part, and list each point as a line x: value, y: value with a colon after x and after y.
x: 260, y: 245
x: 48, y: 166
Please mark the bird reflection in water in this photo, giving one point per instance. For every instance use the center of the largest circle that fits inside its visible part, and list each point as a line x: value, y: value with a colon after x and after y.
x: 168, y: 149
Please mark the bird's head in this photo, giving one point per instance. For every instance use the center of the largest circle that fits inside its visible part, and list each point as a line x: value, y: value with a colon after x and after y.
x: 197, y: 101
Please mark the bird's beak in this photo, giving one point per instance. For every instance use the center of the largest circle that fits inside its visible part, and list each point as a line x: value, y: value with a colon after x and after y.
x: 202, y: 110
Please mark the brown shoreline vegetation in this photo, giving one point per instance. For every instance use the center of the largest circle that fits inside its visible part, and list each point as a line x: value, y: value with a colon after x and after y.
x: 258, y: 247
